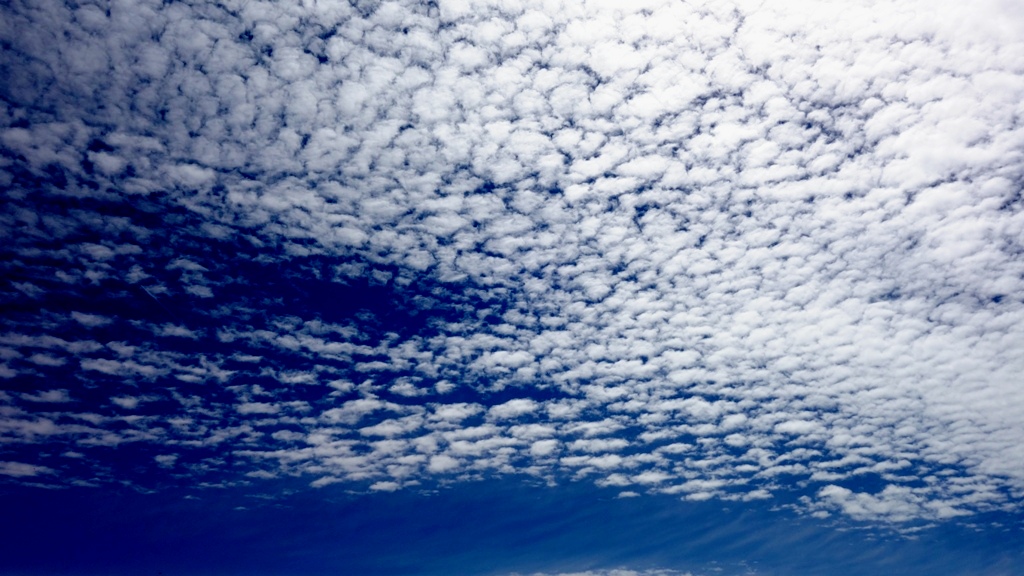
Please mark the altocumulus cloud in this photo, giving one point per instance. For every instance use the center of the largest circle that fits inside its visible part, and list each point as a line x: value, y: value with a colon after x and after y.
x: 718, y: 250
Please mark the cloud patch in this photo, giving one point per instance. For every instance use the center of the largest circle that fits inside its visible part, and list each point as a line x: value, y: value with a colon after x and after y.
x: 714, y: 251
x: 23, y: 470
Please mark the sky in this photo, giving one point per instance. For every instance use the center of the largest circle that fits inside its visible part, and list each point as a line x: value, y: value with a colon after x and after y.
x: 647, y: 288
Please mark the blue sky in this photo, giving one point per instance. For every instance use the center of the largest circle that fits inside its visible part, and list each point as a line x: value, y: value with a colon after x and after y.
x: 492, y: 527
x: 511, y: 288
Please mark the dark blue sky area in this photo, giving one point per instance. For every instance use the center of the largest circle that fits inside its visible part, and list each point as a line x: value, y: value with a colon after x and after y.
x: 486, y: 528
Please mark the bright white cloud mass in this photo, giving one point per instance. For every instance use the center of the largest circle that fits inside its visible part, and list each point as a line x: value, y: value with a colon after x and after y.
x: 720, y: 250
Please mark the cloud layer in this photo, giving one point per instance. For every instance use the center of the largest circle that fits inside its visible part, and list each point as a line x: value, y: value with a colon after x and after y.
x: 714, y: 250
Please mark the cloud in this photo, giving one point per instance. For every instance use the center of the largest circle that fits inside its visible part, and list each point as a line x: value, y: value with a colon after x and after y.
x: 166, y: 460
x: 257, y: 408
x: 90, y: 320
x: 22, y: 470
x: 46, y: 360
x: 49, y: 396
x: 713, y: 251
x: 513, y: 409
x: 893, y: 503
x: 177, y: 331
x: 442, y: 463
x: 126, y: 402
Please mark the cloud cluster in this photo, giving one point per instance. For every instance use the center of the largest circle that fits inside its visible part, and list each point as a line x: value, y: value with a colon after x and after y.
x: 713, y: 250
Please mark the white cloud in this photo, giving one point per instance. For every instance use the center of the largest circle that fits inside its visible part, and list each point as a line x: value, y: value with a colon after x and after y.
x: 126, y: 402
x: 456, y: 412
x: 542, y: 448
x: 798, y: 427
x: 257, y: 408
x: 47, y: 360
x: 177, y: 331
x: 598, y: 445
x: 513, y: 409
x: 122, y: 368
x: 90, y: 320
x: 442, y: 463
x: 22, y: 470
x: 893, y: 503
x: 200, y: 291
x: 49, y: 396
x: 166, y: 460
x: 705, y: 249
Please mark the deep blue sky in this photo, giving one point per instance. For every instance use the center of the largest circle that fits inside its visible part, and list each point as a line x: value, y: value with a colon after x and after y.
x: 479, y: 528
x: 489, y: 288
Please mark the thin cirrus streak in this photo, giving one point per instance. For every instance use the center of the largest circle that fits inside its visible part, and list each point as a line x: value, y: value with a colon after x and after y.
x: 712, y: 250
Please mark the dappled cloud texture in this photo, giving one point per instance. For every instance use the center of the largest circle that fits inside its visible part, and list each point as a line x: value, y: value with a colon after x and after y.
x: 718, y: 250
